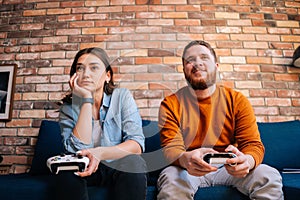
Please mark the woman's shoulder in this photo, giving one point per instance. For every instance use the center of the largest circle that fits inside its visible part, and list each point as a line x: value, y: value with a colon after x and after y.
x: 120, y: 92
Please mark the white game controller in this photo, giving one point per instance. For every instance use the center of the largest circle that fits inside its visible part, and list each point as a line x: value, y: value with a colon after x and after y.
x: 69, y: 162
x: 218, y: 159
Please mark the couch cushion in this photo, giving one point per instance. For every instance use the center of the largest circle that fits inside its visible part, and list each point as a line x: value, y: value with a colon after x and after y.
x: 25, y: 187
x: 49, y: 143
x: 28, y: 187
x: 281, y: 140
x: 291, y: 188
x: 219, y: 192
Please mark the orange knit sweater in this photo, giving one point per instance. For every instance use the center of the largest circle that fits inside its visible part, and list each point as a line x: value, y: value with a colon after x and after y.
x: 187, y: 123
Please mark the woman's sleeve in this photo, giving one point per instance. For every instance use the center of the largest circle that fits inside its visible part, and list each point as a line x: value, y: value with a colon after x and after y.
x: 67, y: 121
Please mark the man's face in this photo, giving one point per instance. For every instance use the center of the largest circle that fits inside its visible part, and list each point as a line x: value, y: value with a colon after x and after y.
x: 199, y: 67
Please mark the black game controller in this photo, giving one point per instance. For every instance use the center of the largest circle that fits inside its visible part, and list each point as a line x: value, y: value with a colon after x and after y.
x: 218, y: 159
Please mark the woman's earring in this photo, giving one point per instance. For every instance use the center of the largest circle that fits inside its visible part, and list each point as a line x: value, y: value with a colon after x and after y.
x: 107, y: 81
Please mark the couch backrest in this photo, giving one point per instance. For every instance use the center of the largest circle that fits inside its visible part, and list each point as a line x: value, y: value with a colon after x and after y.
x: 49, y: 143
x: 282, y: 143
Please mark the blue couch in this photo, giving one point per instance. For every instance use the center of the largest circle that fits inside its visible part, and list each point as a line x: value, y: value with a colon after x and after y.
x: 281, y: 140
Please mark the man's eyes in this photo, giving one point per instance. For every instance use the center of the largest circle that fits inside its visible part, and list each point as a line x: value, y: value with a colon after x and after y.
x: 192, y: 60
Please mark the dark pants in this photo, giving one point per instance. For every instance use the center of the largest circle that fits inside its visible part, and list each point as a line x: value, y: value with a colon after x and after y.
x: 125, y: 179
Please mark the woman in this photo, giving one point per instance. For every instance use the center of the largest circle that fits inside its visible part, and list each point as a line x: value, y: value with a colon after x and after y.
x: 103, y: 123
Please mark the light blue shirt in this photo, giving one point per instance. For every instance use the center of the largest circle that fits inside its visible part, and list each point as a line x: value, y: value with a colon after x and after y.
x: 119, y: 118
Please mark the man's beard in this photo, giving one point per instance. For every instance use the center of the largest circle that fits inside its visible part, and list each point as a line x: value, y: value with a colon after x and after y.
x: 201, y: 84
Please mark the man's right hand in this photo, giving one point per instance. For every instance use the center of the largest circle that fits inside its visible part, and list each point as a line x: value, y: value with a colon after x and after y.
x: 193, y: 162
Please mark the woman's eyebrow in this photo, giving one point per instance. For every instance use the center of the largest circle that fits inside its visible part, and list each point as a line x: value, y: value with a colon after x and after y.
x: 92, y: 63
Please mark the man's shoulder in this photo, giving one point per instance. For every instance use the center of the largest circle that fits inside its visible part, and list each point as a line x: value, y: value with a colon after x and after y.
x: 180, y: 92
x: 235, y: 96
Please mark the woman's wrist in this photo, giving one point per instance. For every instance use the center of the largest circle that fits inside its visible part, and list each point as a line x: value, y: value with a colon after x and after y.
x: 87, y: 100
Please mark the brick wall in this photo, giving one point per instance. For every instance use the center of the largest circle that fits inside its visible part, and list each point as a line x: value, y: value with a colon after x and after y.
x: 254, y: 40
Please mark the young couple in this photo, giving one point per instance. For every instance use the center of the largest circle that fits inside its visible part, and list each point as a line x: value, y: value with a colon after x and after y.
x: 102, y: 122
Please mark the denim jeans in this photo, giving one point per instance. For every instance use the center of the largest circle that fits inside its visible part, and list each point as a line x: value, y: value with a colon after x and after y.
x: 114, y: 175
x: 264, y: 182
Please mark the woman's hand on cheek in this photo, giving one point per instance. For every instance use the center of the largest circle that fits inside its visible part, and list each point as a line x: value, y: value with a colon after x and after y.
x: 78, y: 90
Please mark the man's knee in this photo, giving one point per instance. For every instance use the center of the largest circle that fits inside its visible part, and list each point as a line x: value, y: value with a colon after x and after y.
x: 173, y: 183
x: 267, y: 173
x: 267, y: 184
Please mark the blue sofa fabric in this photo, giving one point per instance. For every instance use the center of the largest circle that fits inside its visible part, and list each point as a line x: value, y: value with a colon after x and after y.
x: 281, y: 141
x: 283, y: 149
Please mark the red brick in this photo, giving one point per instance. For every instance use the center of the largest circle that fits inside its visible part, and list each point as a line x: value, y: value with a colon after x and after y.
x: 15, y: 159
x: 135, y: 8
x: 266, y: 111
x: 289, y: 93
x: 280, y: 118
x: 278, y: 102
x: 31, y: 26
x: 148, y: 77
x: 27, y: 56
x: 21, y: 168
x: 73, y: 17
x: 28, y: 13
x: 290, y: 111
x: 262, y: 93
x: 152, y: 60
x: 259, y: 60
x: 170, y: 86
x: 121, y: 2
x: 58, y: 39
x: 53, y: 54
x: 8, y: 132
x: 83, y: 10
x: 286, y: 77
x: 47, y: 5
x: 226, y: 2
x: 48, y: 87
x: 296, y: 102
x: 19, y: 123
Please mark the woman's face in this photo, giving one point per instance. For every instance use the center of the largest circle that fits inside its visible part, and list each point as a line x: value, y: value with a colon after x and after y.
x: 91, y: 72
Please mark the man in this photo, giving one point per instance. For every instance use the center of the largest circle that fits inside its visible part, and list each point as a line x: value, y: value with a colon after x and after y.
x: 202, y: 118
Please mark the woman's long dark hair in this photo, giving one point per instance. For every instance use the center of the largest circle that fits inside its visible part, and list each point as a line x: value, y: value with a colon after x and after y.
x: 101, y: 54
